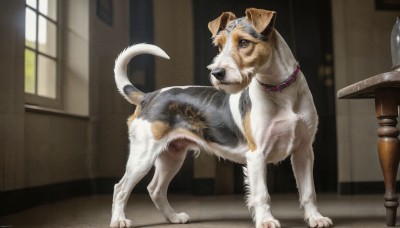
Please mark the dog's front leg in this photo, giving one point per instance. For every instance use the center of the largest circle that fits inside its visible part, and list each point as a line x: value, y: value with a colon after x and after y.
x: 303, y: 162
x: 258, y: 199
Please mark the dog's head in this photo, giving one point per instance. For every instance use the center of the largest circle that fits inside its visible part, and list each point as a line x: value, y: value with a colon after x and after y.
x: 244, y: 46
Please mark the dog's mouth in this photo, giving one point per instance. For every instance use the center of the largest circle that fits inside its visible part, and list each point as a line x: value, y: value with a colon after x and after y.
x: 229, y: 87
x: 228, y: 83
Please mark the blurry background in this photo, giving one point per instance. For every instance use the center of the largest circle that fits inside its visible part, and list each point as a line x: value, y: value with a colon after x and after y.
x: 63, y: 126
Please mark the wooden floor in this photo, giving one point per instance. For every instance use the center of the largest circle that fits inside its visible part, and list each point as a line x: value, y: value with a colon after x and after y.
x: 220, y: 211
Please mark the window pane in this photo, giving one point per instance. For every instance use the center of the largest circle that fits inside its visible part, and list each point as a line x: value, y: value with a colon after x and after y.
x: 30, y: 28
x: 48, y: 8
x: 47, y: 73
x: 32, y: 3
x: 30, y: 69
x: 47, y: 37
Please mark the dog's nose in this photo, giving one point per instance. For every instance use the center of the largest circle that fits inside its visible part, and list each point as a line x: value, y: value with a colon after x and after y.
x: 219, y: 73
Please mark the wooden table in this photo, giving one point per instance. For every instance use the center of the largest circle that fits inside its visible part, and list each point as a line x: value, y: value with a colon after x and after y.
x: 385, y: 89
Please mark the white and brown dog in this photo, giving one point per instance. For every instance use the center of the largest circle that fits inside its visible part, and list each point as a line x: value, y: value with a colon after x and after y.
x: 259, y: 111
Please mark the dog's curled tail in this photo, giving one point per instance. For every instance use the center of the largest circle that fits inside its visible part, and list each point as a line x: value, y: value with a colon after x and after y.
x: 125, y: 87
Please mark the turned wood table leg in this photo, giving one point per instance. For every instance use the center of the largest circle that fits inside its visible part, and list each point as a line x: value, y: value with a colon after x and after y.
x: 386, y: 102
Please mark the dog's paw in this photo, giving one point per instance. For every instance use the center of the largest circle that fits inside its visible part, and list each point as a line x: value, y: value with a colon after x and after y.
x: 122, y: 223
x: 272, y: 223
x: 319, y: 222
x: 179, y: 218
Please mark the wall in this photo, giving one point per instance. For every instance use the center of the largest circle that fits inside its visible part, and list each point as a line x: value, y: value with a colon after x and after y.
x: 173, y: 32
x: 361, y: 50
x: 75, y: 56
x: 47, y: 154
x: 36, y: 148
x: 56, y: 149
x: 12, y: 20
x: 56, y: 142
x: 86, y: 140
x: 108, y: 109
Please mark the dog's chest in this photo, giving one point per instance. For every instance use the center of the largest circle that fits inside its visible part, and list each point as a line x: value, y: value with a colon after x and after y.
x: 273, y: 129
x: 278, y: 138
x: 275, y: 126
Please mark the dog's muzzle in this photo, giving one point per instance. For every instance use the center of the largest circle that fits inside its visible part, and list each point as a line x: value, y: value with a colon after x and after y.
x: 218, y: 73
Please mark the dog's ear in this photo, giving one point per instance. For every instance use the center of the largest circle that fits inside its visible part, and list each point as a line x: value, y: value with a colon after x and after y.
x: 263, y: 20
x: 220, y: 23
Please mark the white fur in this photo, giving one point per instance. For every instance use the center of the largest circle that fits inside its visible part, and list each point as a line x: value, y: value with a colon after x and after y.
x: 282, y: 124
x: 180, y: 87
x: 121, y: 63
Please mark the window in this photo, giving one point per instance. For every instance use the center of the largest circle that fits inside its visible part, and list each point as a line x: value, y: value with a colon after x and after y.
x: 41, y: 52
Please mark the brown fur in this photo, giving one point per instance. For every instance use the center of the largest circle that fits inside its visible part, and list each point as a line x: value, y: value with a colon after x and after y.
x: 216, y: 25
x: 261, y: 19
x: 188, y: 133
x: 197, y: 125
x: 136, y: 97
x: 173, y: 106
x: 159, y: 129
x: 220, y: 40
x: 248, y: 133
x: 254, y: 55
x: 135, y: 114
x: 192, y: 117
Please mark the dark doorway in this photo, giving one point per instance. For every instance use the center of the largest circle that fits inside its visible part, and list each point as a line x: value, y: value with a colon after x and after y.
x: 306, y: 27
x: 141, y: 74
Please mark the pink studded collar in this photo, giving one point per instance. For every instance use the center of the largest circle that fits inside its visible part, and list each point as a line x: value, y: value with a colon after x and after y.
x: 278, y: 88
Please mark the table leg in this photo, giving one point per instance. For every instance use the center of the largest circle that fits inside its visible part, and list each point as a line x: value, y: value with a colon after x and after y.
x: 386, y: 101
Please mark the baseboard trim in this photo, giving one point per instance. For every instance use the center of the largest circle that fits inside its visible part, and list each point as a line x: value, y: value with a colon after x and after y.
x: 21, y: 199
x: 374, y: 187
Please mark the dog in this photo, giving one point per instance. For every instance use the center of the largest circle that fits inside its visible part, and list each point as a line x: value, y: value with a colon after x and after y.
x: 258, y: 111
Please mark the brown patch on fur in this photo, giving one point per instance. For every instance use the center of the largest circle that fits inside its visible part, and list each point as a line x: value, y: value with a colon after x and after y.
x: 189, y: 112
x: 254, y: 55
x: 220, y: 40
x: 197, y: 124
x: 248, y: 134
x: 173, y: 106
x: 191, y: 116
x: 135, y: 114
x: 195, y: 119
x: 159, y: 129
x: 136, y: 97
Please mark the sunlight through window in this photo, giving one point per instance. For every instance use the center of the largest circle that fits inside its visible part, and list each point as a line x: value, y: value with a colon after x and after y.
x: 41, y: 57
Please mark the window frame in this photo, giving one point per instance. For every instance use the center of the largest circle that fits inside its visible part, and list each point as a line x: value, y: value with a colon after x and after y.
x: 35, y: 99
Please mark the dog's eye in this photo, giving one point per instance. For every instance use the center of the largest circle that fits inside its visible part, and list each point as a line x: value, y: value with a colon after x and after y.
x: 220, y: 47
x: 243, y: 43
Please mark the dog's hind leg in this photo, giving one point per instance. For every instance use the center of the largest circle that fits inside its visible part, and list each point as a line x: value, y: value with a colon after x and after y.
x: 141, y: 159
x: 302, y: 163
x: 167, y: 165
